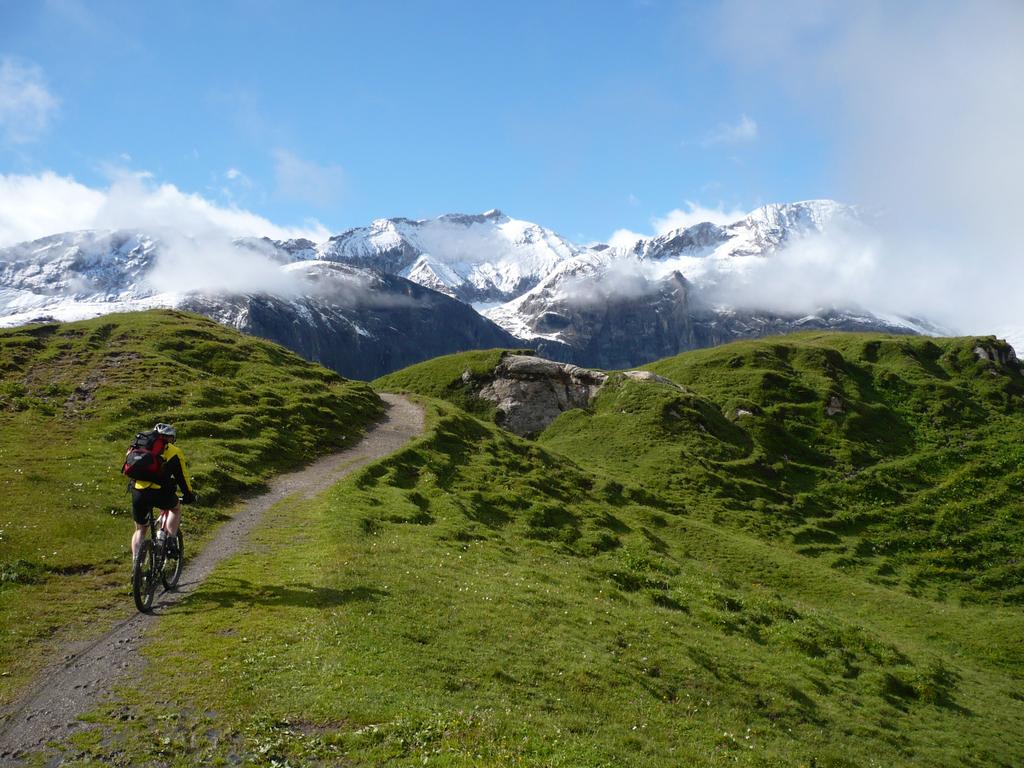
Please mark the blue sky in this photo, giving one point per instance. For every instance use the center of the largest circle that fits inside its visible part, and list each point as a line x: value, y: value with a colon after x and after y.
x: 586, y: 117
x: 601, y: 119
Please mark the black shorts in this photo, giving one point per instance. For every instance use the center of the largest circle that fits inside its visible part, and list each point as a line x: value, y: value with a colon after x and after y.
x: 145, y: 500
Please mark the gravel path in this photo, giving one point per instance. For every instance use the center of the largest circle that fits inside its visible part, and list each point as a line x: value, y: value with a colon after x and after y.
x: 75, y: 685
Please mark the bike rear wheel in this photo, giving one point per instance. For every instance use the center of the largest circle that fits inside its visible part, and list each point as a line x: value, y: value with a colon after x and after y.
x: 143, y: 577
x: 171, y: 571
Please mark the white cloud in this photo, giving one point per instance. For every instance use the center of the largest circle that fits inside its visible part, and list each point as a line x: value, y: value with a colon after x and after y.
x: 213, y: 263
x: 928, y: 114
x: 26, y: 105
x: 236, y: 176
x: 836, y: 269
x: 742, y: 131
x: 36, y: 206
x: 625, y: 238
x: 695, y: 213
x: 679, y: 218
x: 197, y: 250
x: 305, y: 181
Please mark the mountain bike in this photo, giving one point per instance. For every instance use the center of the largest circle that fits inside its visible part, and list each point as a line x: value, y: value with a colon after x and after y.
x: 160, y: 560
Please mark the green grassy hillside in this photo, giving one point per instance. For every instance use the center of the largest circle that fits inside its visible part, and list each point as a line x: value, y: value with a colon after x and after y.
x: 480, y: 600
x: 899, y: 458
x: 804, y: 553
x: 71, y: 398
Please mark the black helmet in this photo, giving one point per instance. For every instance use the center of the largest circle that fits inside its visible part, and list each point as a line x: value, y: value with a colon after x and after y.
x: 165, y: 429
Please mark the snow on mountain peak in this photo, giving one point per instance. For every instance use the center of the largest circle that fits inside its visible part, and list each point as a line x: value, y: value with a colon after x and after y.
x: 474, y: 257
x: 513, y: 267
x: 803, y: 216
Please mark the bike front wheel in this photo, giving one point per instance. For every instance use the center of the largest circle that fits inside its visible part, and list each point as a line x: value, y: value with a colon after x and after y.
x: 143, y: 576
x: 173, y: 564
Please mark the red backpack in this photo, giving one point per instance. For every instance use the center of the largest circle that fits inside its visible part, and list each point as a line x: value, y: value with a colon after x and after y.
x: 143, y: 460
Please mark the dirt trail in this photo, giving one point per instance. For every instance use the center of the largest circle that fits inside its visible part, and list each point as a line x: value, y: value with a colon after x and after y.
x: 50, y: 711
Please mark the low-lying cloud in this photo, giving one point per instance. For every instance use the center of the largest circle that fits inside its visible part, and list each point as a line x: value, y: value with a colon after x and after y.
x: 197, y: 249
x: 621, y: 279
x: 34, y: 206
x: 460, y: 243
x: 214, y: 264
x: 836, y: 269
x: 679, y: 218
x: 924, y: 103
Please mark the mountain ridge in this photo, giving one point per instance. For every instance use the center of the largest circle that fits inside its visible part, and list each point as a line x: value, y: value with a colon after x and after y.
x: 479, y: 280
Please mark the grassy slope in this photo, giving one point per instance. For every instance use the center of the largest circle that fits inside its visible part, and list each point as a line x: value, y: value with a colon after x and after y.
x: 917, y: 481
x: 478, y: 600
x: 72, y: 396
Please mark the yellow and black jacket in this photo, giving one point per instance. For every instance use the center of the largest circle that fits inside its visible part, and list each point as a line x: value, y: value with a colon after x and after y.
x: 175, y: 471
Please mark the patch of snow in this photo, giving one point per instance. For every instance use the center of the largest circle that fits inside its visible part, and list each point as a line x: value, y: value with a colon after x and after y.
x: 360, y: 330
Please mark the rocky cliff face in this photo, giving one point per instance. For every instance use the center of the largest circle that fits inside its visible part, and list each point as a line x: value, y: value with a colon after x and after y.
x: 997, y: 352
x: 383, y: 324
x: 649, y: 320
x: 530, y: 392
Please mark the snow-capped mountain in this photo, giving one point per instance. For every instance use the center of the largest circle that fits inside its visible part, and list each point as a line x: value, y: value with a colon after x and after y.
x: 584, y: 301
x: 474, y: 258
x: 375, y: 298
x: 763, y: 231
x: 359, y: 321
x: 95, y: 272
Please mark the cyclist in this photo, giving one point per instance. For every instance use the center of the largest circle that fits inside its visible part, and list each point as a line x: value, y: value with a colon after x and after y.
x: 147, y: 494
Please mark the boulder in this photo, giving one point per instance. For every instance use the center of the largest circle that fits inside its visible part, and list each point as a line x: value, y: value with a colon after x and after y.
x: 530, y: 392
x: 652, y: 377
x: 834, y: 406
x: 998, y: 352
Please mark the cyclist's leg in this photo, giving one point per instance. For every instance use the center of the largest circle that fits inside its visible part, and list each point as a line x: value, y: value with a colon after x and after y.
x: 141, y: 510
x: 173, y: 520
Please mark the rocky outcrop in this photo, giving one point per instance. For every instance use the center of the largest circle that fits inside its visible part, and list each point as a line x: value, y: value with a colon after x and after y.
x: 834, y: 406
x: 995, y: 351
x: 651, y: 377
x: 530, y: 392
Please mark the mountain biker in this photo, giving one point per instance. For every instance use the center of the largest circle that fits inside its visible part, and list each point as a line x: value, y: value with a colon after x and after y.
x: 148, y: 494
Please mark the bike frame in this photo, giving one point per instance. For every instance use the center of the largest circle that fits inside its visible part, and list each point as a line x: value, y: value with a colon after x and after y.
x: 156, y: 524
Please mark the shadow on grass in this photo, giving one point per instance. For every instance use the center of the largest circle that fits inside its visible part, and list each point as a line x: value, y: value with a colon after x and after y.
x: 227, y: 593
